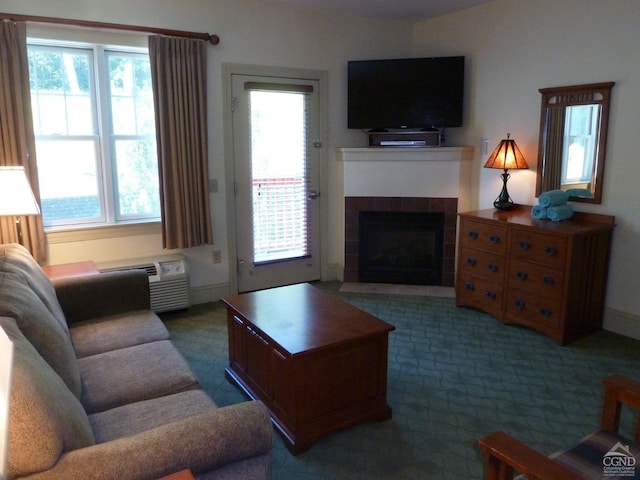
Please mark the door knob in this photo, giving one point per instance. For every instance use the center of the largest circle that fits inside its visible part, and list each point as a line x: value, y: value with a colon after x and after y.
x: 313, y: 195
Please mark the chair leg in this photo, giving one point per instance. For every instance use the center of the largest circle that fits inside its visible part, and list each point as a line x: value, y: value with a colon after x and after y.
x: 497, y: 470
x: 610, y: 419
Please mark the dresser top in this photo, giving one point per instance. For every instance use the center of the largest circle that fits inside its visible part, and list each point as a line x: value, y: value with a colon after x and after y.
x: 521, y: 215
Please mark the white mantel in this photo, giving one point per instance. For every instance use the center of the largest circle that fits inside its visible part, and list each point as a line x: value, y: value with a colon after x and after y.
x: 440, y: 172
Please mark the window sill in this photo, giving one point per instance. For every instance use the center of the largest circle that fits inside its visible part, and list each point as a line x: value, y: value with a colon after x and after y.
x: 102, y: 232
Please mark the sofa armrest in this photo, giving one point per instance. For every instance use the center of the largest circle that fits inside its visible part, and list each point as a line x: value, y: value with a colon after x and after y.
x: 202, y: 443
x: 505, y: 454
x: 102, y: 294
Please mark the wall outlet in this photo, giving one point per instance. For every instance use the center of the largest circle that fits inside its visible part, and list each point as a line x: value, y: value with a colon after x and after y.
x: 484, y: 146
x: 217, y: 256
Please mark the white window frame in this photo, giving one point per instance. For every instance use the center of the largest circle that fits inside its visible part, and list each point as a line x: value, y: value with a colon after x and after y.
x: 109, y: 226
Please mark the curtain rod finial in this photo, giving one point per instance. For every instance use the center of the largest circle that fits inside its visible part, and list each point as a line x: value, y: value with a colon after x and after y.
x: 214, y: 39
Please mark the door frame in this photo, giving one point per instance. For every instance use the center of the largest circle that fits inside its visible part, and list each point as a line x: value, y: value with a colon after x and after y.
x: 321, y: 76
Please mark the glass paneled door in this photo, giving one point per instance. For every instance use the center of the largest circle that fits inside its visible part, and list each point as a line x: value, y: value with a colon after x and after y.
x: 276, y: 163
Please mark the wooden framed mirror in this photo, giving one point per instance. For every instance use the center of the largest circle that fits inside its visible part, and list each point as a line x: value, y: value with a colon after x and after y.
x: 573, y: 140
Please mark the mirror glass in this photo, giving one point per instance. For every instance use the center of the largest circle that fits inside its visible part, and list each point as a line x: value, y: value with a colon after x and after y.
x: 573, y: 137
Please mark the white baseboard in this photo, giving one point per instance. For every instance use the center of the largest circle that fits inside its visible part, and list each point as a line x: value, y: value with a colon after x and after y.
x: 208, y: 293
x: 621, y: 322
x: 213, y: 293
x: 335, y: 271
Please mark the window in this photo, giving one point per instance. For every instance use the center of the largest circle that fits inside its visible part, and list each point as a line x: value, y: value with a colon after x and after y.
x: 95, y: 134
x: 581, y: 142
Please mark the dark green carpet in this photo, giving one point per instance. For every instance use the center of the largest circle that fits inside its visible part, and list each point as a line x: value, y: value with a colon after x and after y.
x: 455, y: 375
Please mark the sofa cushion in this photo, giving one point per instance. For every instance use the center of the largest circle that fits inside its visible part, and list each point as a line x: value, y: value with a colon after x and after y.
x: 116, y: 331
x: 14, y: 258
x: 141, y: 416
x: 37, y: 323
x: 46, y: 419
x: 133, y: 374
x: 587, y: 457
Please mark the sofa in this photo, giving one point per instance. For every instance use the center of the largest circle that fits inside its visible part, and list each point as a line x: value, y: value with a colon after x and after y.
x: 100, y: 392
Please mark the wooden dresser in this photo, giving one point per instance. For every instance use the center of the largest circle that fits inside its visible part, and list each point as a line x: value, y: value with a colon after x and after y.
x: 549, y: 276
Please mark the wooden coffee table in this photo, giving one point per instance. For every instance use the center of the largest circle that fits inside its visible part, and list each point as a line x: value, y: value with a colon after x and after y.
x: 317, y: 363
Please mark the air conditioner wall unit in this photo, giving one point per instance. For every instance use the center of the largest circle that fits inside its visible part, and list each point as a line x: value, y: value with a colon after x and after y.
x: 168, y: 280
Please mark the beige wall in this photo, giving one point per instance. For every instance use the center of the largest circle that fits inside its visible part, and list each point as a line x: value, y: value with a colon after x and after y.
x: 515, y: 47
x: 252, y: 32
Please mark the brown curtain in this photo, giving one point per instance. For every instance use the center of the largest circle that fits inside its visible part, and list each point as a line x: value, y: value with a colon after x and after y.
x: 178, y: 72
x: 553, y: 149
x: 17, y: 141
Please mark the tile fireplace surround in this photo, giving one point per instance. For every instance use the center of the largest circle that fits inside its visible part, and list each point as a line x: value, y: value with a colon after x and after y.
x: 354, y: 205
x: 430, y: 180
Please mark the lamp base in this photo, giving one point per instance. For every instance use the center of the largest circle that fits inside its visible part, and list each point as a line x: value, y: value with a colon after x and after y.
x: 19, y: 231
x: 504, y: 205
x: 504, y: 202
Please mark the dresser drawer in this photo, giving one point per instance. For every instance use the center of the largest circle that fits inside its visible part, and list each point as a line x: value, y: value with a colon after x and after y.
x: 480, y: 293
x: 485, y: 236
x: 537, y: 247
x: 531, y: 309
x: 482, y: 263
x: 539, y: 279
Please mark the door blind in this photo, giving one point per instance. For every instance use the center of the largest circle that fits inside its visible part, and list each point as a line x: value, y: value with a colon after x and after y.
x: 279, y: 152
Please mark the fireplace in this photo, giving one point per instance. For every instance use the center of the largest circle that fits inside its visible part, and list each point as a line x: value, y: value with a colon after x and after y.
x: 400, y: 240
x: 401, y: 247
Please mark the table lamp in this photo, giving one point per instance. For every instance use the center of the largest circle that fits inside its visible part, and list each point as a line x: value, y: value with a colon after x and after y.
x: 506, y: 156
x: 6, y: 363
x: 16, y: 196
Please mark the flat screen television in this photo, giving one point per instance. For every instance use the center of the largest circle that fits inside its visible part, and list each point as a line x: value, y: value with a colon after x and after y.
x: 408, y: 93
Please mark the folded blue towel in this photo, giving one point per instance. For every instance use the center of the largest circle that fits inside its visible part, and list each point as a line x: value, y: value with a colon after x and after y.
x: 580, y: 192
x: 538, y: 212
x: 553, y: 198
x: 560, y: 212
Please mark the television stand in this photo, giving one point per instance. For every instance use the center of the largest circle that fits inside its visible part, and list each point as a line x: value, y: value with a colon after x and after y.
x: 404, y: 138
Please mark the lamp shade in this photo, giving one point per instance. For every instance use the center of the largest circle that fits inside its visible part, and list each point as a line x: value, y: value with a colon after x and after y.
x: 506, y: 156
x: 16, y: 196
x: 6, y: 364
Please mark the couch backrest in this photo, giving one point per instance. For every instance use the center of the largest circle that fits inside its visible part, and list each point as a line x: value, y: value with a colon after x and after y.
x: 14, y: 258
x: 46, y: 419
x: 37, y: 323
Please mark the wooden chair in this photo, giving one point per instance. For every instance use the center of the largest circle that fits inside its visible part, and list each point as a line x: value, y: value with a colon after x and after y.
x: 506, y: 455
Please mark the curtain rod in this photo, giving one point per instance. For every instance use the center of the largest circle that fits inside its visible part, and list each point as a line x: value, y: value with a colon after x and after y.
x: 213, y: 39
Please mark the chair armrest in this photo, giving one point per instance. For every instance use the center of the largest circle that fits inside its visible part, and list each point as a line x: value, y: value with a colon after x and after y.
x: 619, y: 390
x: 201, y: 443
x: 506, y: 454
x: 102, y: 294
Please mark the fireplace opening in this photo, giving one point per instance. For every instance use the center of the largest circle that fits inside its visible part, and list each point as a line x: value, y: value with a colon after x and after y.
x: 401, y: 247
